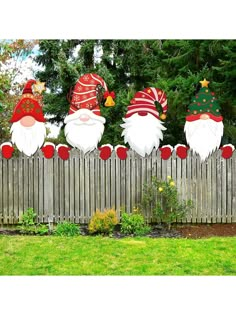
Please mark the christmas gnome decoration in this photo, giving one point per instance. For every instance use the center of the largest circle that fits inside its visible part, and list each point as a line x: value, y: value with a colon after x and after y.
x: 28, y: 129
x: 84, y: 123
x: 142, y: 125
x: 204, y: 126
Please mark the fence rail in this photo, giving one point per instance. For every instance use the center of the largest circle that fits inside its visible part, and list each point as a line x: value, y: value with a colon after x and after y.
x: 73, y: 189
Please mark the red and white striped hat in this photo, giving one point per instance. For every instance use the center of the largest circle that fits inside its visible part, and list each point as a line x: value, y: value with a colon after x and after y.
x: 85, y: 93
x: 145, y: 102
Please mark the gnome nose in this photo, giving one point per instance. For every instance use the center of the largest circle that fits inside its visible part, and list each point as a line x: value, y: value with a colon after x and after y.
x: 27, y: 121
x: 84, y: 118
x: 204, y: 116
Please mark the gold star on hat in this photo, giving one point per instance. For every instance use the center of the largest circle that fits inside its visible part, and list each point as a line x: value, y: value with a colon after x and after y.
x: 204, y: 83
x: 39, y: 87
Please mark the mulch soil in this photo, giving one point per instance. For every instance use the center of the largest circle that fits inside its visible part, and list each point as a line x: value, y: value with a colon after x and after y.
x: 194, y: 231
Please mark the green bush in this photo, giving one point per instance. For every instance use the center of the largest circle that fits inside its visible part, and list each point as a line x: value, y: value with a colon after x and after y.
x: 28, y: 225
x: 134, y: 224
x: 161, y: 198
x: 67, y: 229
x: 103, y: 222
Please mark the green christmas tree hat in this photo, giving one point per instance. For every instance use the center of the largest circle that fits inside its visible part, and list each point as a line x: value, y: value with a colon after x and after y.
x: 204, y: 103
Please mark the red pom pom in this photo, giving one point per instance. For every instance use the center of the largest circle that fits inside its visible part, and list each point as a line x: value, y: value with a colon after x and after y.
x: 48, y: 150
x: 7, y: 150
x: 181, y: 151
x: 121, y: 152
x: 105, y: 152
x: 166, y: 152
x: 227, y: 151
x: 63, y: 152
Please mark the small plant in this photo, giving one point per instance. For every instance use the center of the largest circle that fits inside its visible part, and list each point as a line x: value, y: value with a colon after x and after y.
x: 161, y: 197
x: 134, y: 224
x: 27, y: 224
x: 103, y: 222
x: 67, y: 229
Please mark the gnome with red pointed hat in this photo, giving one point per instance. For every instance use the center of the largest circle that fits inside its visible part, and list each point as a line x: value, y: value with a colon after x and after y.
x: 84, y: 123
x: 142, y: 124
x: 28, y: 123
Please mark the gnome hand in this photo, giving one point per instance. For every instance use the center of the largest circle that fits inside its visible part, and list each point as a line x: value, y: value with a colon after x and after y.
x: 105, y: 151
x: 7, y: 150
x: 63, y: 151
x: 227, y: 151
x: 48, y: 150
x: 121, y: 151
x: 181, y: 150
x: 166, y: 151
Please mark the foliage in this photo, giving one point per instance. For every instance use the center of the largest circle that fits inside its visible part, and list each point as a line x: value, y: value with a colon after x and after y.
x: 67, y: 229
x: 28, y: 225
x: 127, y: 66
x: 161, y: 197
x: 12, y: 56
x: 134, y: 224
x: 103, y: 222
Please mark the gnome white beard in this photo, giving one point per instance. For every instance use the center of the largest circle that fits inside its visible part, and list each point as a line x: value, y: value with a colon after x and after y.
x: 84, y: 136
x: 28, y: 139
x: 143, y: 133
x: 204, y: 136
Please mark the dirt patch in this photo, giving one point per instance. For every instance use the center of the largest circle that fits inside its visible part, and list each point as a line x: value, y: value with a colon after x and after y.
x: 206, y: 230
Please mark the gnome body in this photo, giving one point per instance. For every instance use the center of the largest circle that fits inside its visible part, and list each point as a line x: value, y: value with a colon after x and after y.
x: 204, y: 126
x: 28, y: 123
x: 84, y: 123
x: 142, y: 125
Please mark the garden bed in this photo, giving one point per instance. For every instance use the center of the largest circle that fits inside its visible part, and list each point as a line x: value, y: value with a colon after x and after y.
x: 177, y: 231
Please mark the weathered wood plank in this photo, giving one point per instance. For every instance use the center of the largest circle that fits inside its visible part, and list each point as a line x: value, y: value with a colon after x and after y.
x: 92, y: 183
x: 71, y: 162
x: 87, y: 211
x: 219, y: 188
x: 213, y: 188
x: 118, y: 187
x: 5, y: 191
x: 113, y: 170
x: 77, y: 188
x: 10, y: 192
x: 233, y: 191
x: 229, y: 190
x: 1, y: 190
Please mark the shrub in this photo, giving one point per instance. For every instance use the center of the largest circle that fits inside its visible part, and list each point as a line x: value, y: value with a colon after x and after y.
x: 134, y: 223
x: 161, y: 197
x: 103, y: 222
x: 67, y: 229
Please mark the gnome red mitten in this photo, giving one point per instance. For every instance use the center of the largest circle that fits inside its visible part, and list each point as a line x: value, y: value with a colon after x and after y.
x: 166, y: 151
x: 105, y: 151
x: 121, y: 151
x: 48, y: 150
x: 63, y: 151
x: 7, y: 150
x: 181, y: 150
x: 227, y: 151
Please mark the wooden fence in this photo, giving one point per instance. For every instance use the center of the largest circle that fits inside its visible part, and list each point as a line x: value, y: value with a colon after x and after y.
x: 73, y: 189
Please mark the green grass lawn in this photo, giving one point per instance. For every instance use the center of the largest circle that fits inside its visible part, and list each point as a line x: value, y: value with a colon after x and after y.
x: 84, y: 255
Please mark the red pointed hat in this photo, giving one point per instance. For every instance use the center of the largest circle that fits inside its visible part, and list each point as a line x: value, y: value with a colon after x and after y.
x: 28, y: 105
x: 85, y: 93
x: 145, y: 102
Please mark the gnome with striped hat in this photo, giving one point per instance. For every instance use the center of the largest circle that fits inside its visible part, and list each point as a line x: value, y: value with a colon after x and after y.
x: 142, y: 123
x: 84, y: 123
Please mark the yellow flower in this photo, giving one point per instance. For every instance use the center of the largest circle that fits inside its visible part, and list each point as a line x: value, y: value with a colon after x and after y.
x: 168, y: 177
x: 160, y: 189
x: 172, y: 183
